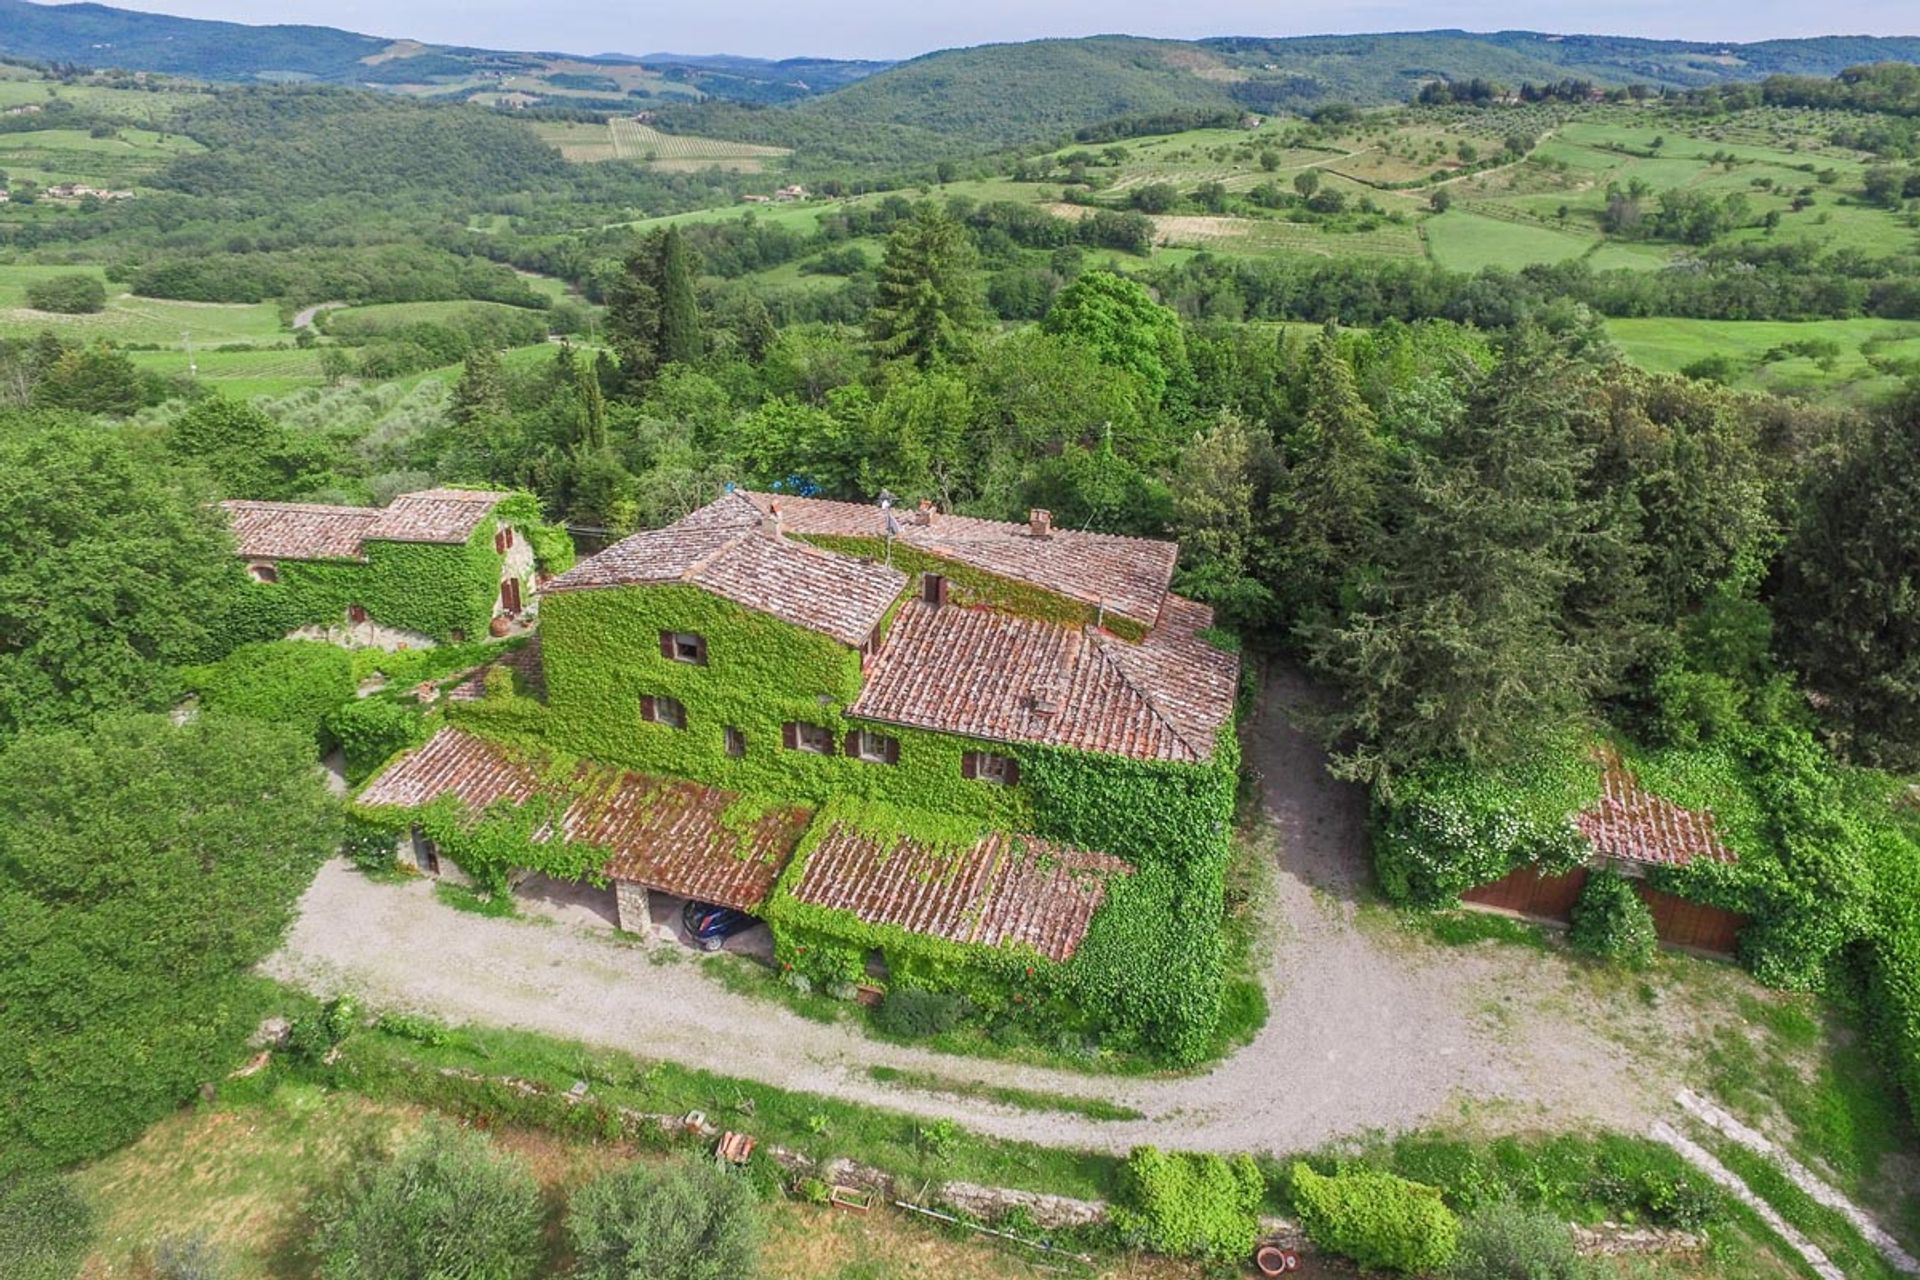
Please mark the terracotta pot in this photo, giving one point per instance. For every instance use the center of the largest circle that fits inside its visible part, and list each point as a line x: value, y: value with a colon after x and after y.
x: 500, y: 625
x: 1272, y: 1260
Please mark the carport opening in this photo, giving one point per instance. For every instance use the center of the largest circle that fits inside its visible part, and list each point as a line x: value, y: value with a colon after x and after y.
x: 669, y: 916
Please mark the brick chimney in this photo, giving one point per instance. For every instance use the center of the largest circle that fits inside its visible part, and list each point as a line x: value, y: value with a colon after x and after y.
x: 924, y: 513
x: 1040, y: 522
x: 770, y: 519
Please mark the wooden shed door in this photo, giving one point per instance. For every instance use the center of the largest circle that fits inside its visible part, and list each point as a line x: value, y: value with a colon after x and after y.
x: 1692, y: 924
x: 1529, y: 893
x: 510, y: 595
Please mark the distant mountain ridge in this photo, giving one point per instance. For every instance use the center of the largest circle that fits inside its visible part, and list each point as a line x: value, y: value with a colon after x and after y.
x: 976, y: 98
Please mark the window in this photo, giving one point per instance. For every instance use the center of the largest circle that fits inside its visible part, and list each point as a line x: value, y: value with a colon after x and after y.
x: 684, y: 646
x: 263, y: 573
x: 807, y: 737
x: 874, y: 748
x: 736, y: 742
x: 663, y: 710
x: 986, y: 767
x: 356, y: 613
x: 503, y: 538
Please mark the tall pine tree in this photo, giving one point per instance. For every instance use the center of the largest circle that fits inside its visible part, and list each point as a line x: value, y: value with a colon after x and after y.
x: 653, y: 312
x: 927, y: 307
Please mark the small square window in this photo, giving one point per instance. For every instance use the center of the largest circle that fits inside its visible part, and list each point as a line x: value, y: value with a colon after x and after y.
x: 356, y: 613
x: 808, y: 737
x: 263, y: 573
x: 684, y: 646
x: 736, y: 742
x: 874, y: 748
x: 1002, y: 771
x: 663, y: 710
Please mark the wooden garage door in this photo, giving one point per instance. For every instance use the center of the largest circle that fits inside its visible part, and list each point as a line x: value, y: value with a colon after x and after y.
x: 1529, y: 893
x: 1692, y: 924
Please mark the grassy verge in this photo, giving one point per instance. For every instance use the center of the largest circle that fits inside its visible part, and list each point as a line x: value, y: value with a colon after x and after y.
x: 1464, y: 928
x: 462, y: 898
x: 1833, y: 1233
x: 386, y: 1065
x: 1022, y: 1099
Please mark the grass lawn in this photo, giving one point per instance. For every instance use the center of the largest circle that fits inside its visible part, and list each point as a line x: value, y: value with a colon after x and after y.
x: 242, y: 1173
x: 389, y: 315
x: 1667, y: 345
x: 241, y: 374
x: 1461, y: 240
x: 130, y: 319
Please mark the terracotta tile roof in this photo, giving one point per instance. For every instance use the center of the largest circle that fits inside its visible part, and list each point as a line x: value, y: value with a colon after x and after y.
x: 666, y: 834
x: 524, y: 662
x: 670, y: 835
x: 1632, y: 824
x: 1015, y: 890
x: 1128, y: 575
x: 298, y: 530
x: 722, y: 548
x: 995, y: 676
x: 470, y: 769
x: 312, y: 531
x: 435, y: 515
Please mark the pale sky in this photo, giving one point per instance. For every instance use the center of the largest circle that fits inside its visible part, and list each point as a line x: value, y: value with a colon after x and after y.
x: 902, y: 28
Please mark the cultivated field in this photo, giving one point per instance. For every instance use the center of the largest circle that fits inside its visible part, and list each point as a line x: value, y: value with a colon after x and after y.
x: 240, y: 374
x: 623, y: 138
x: 130, y: 319
x: 126, y: 159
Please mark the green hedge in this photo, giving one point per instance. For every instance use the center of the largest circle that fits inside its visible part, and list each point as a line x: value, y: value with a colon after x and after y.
x: 1611, y: 922
x: 1449, y: 826
x: 1190, y: 1206
x: 1379, y: 1220
x: 299, y: 683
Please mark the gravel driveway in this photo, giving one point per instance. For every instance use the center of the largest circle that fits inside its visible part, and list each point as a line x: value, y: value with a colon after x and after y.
x: 1373, y: 1027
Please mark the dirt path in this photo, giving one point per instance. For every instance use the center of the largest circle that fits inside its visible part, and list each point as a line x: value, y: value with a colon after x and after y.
x: 1373, y: 1028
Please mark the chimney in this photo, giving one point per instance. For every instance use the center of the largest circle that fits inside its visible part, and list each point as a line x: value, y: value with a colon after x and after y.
x: 933, y: 589
x: 923, y: 515
x: 1046, y: 698
x: 770, y: 519
x: 1040, y: 522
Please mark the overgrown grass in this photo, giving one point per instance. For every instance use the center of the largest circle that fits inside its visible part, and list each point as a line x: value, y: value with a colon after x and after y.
x: 1833, y: 1233
x: 1465, y: 928
x: 1022, y: 1099
x: 386, y: 1065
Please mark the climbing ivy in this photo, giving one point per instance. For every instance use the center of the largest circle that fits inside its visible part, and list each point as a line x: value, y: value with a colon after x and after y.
x: 436, y: 589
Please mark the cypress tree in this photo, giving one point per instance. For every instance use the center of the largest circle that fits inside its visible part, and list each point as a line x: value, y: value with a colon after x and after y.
x: 681, y: 341
x: 480, y: 394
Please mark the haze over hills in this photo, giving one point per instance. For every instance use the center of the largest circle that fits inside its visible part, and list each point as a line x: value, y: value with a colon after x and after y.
x: 970, y: 98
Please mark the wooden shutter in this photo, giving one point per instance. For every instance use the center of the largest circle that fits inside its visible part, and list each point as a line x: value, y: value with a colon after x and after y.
x: 853, y: 742
x: 666, y: 644
x: 1012, y: 774
x: 969, y: 764
x: 790, y: 735
x: 648, y: 708
x: 893, y: 750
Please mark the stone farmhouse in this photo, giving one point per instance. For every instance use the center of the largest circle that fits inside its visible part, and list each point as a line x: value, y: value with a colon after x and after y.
x: 437, y: 565
x: 882, y: 732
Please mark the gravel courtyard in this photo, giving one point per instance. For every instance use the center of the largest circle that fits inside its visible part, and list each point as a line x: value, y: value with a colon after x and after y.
x: 1373, y: 1026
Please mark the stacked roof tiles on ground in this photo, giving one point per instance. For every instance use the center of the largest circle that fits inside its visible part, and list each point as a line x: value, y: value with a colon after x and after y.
x: 671, y: 835
x: 313, y: 531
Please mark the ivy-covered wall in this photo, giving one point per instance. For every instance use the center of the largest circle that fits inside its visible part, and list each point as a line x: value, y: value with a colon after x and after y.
x: 432, y: 588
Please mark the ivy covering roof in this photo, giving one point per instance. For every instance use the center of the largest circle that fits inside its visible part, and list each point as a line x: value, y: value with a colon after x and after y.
x: 723, y: 548
x: 1633, y: 824
x: 1010, y: 679
x: 666, y: 834
x: 1017, y: 890
x: 1128, y: 576
x: 315, y: 531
